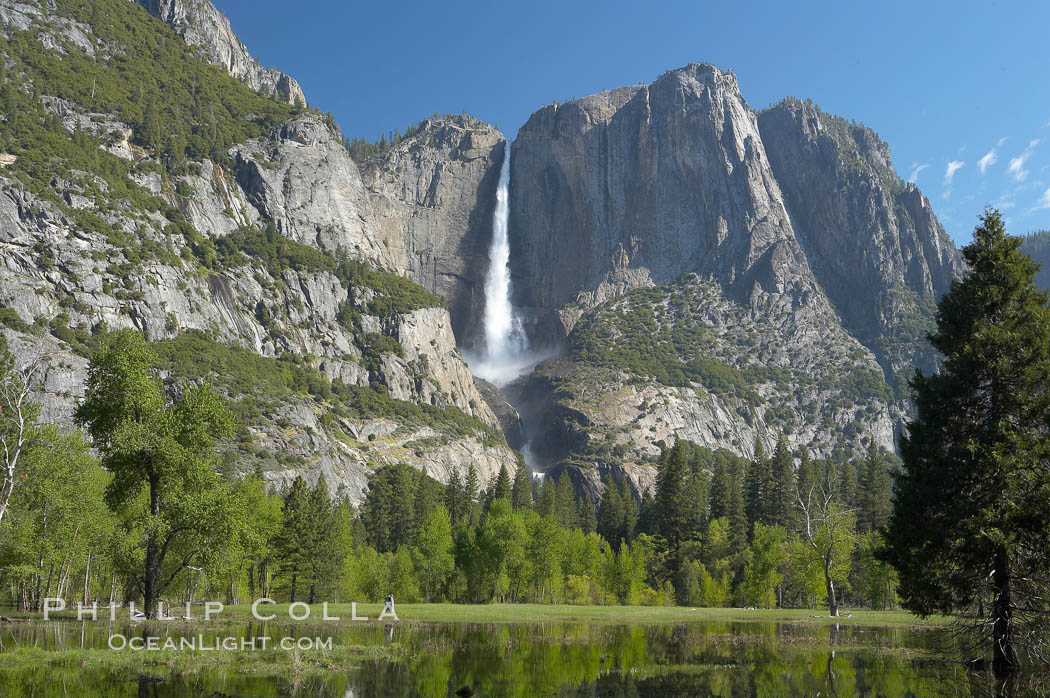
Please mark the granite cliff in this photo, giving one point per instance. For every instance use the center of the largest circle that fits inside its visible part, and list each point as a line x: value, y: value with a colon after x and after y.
x: 699, y: 269
x: 783, y: 255
x: 270, y: 268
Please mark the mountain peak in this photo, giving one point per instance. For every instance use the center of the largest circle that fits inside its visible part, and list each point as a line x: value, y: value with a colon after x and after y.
x: 201, y: 24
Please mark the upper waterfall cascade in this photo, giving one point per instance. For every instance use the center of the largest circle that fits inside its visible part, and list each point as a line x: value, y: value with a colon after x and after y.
x: 506, y: 354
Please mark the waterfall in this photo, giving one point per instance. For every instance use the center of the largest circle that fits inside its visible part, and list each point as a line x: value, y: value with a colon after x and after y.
x: 504, y: 337
x: 506, y: 353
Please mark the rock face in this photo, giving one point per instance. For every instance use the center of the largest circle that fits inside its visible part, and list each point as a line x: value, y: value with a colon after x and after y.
x: 804, y: 240
x: 709, y: 273
x: 641, y: 184
x: 303, y: 180
x: 871, y: 239
x: 400, y: 390
x: 200, y: 24
x: 433, y: 196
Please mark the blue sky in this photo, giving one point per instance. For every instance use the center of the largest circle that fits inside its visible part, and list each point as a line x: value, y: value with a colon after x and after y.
x: 960, y: 90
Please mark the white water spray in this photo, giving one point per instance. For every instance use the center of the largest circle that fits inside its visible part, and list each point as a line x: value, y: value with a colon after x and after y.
x: 506, y: 355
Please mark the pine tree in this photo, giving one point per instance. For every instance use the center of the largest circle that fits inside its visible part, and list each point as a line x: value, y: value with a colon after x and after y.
x: 586, y: 515
x: 757, y: 486
x: 971, y: 515
x: 547, y: 501
x: 846, y: 484
x: 389, y: 510
x: 630, y: 510
x: 874, y: 491
x: 323, y: 549
x: 454, y: 497
x: 648, y: 514
x: 501, y: 488
x: 611, y: 513
x: 805, y: 484
x: 470, y: 496
x: 565, y: 502
x: 424, y: 501
x: 735, y: 511
x: 294, y: 531
x: 782, y: 490
x: 521, y: 491
x: 720, y: 490
x: 674, y: 520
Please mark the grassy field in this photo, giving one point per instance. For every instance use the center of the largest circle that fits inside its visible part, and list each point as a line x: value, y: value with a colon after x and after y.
x: 547, y: 613
x: 538, y: 613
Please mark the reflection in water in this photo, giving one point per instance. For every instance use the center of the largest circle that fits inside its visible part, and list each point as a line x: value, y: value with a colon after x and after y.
x: 563, y: 659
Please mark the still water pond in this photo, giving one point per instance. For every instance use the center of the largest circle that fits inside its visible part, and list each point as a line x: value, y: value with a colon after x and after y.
x: 437, y: 659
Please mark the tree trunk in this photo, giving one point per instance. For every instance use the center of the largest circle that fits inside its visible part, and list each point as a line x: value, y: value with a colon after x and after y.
x: 1004, y: 657
x: 833, y: 604
x: 293, y: 588
x: 87, y: 576
x: 151, y: 590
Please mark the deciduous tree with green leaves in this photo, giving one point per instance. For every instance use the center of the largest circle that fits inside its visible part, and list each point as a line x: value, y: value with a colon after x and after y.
x: 161, y: 452
x: 829, y: 530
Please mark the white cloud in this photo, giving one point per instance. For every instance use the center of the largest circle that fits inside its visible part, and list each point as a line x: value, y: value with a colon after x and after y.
x: 987, y: 160
x: 1001, y: 141
x: 916, y: 168
x: 1005, y: 202
x: 949, y: 175
x: 1016, y: 168
x: 1044, y: 201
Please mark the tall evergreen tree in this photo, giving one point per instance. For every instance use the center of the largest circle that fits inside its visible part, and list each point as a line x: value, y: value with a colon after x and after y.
x: 586, y: 515
x: 971, y: 516
x: 425, y: 500
x: 674, y: 510
x: 735, y: 510
x: 294, y: 531
x: 323, y: 546
x: 782, y: 486
x: 389, y: 510
x: 501, y: 488
x: 565, y: 502
x: 648, y: 515
x: 874, y: 493
x: 846, y: 484
x: 521, y: 490
x: 721, y: 490
x: 611, y: 512
x: 757, y: 486
x: 454, y: 498
x: 470, y: 496
x: 630, y: 510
